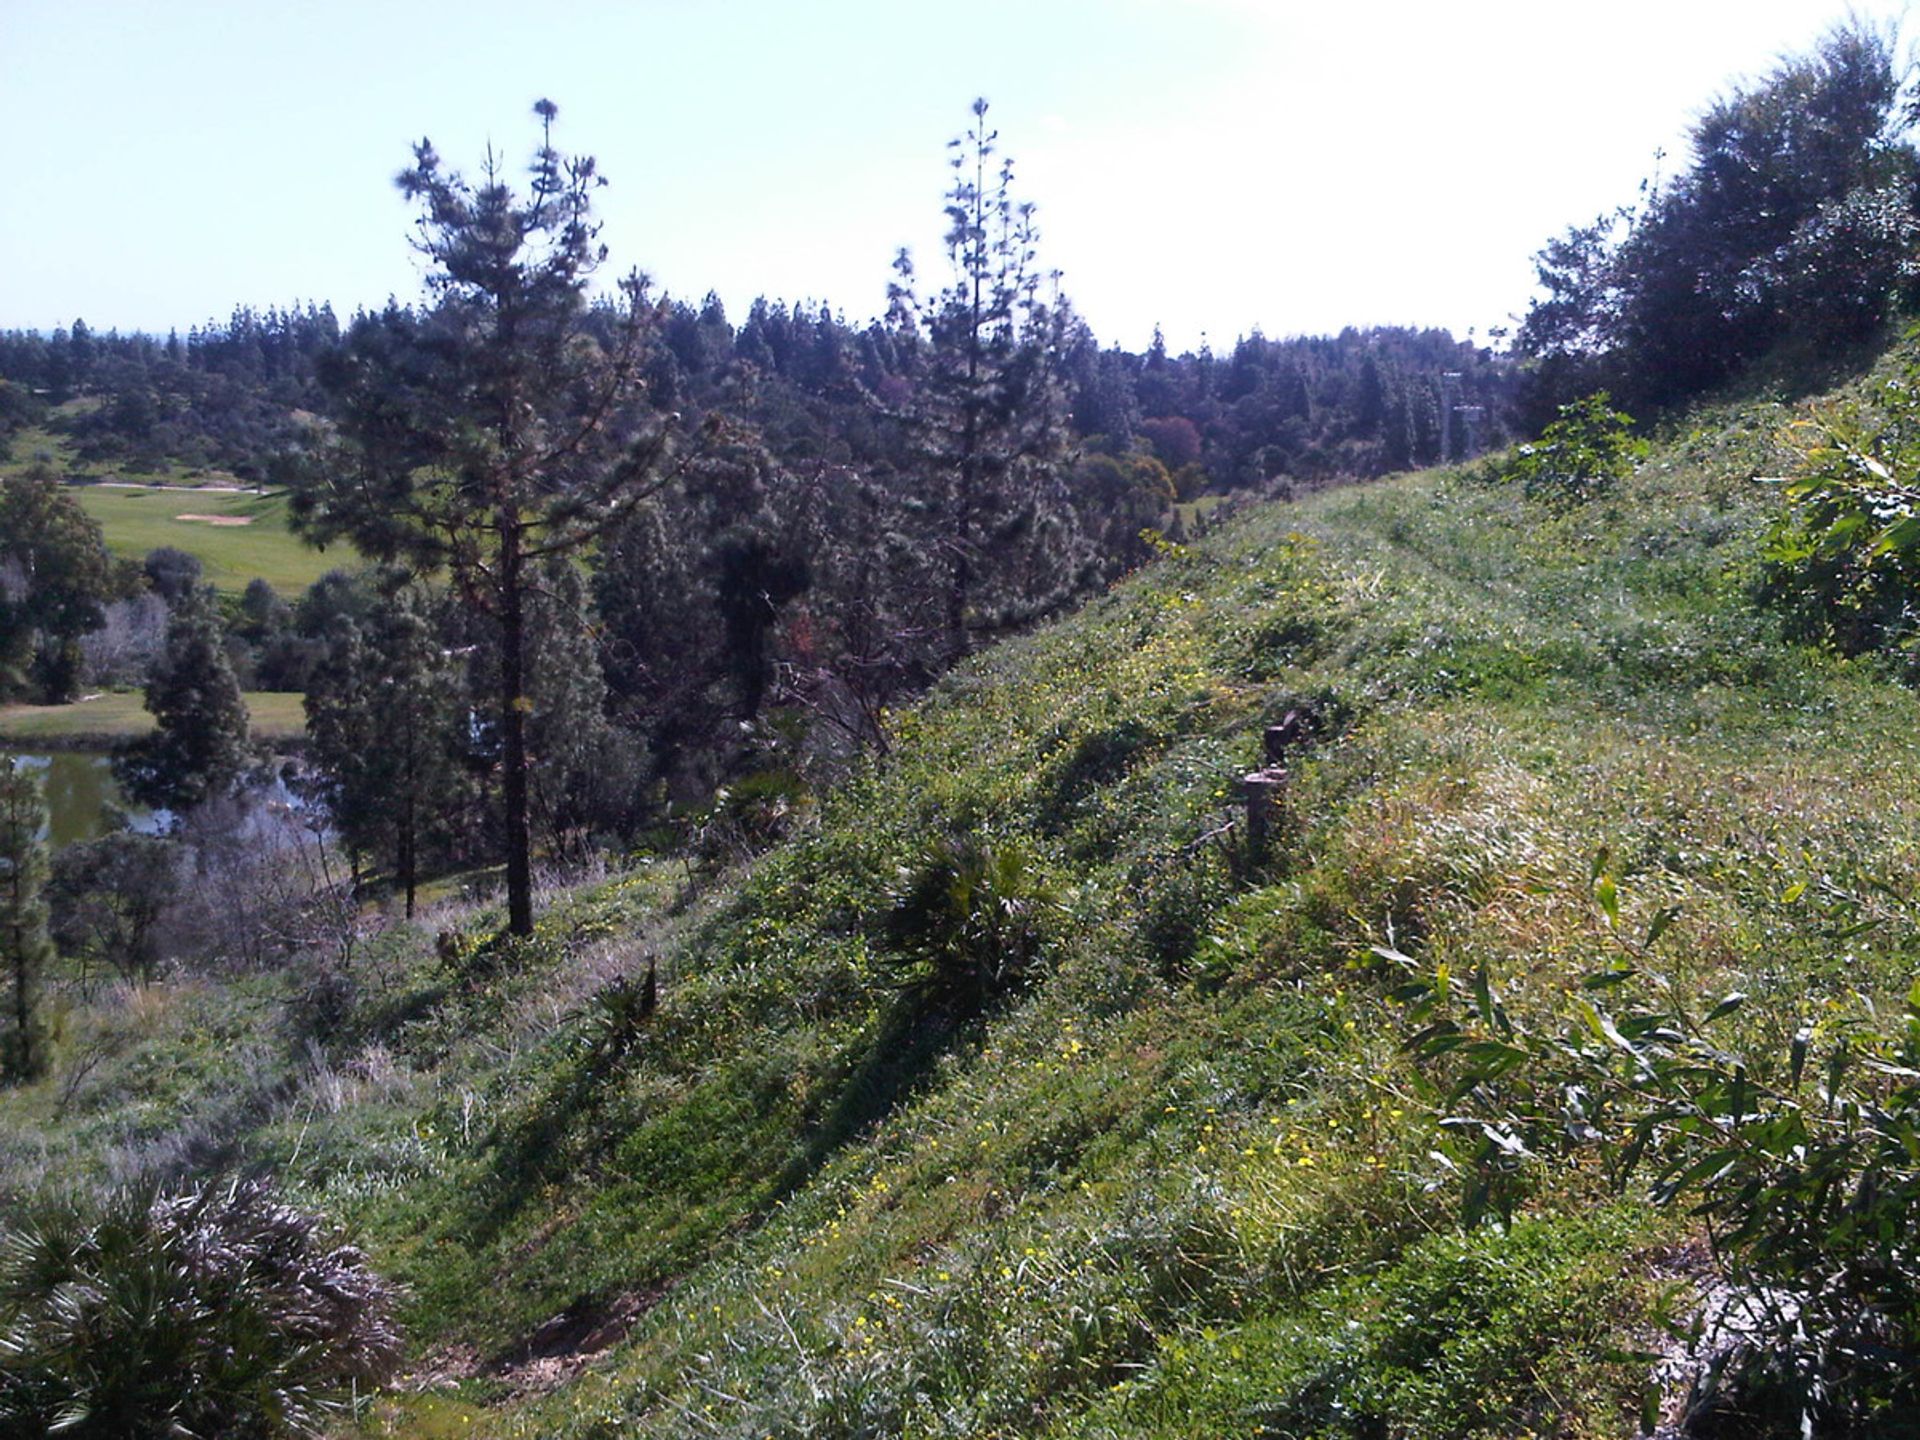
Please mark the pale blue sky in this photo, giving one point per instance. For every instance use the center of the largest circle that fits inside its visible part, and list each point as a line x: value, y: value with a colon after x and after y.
x: 1209, y: 164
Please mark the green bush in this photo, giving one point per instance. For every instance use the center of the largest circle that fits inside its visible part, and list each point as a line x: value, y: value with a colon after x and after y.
x: 968, y: 921
x: 1585, y: 453
x: 217, y: 1312
x: 1844, y: 559
x: 1805, y: 1165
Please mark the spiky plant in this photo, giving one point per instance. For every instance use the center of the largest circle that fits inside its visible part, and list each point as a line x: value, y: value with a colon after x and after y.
x: 968, y: 920
x: 188, y: 1315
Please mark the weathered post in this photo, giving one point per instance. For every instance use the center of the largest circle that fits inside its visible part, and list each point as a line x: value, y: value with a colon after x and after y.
x: 1261, y: 789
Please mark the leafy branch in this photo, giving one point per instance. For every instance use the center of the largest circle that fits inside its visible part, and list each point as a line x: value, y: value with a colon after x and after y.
x: 1804, y: 1167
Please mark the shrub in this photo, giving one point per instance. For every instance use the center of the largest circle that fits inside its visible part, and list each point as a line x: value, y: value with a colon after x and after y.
x: 212, y: 1312
x: 1844, y: 559
x: 1585, y: 453
x: 1805, y: 1166
x: 968, y: 921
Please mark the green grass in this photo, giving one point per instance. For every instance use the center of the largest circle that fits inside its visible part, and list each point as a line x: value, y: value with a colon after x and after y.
x: 1186, y: 1184
x: 103, y: 719
x: 139, y: 520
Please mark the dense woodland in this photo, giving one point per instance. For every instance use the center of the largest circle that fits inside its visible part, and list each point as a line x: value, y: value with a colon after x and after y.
x: 625, y: 576
x: 789, y: 572
x: 232, y: 393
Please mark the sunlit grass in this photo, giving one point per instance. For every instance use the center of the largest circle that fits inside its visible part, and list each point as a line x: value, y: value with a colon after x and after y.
x: 120, y: 715
x: 237, y: 535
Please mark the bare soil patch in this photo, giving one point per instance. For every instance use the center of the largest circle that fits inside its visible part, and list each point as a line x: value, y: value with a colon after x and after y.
x: 557, y: 1350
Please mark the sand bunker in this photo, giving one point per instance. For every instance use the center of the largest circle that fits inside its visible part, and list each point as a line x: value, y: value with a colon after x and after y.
x: 218, y: 519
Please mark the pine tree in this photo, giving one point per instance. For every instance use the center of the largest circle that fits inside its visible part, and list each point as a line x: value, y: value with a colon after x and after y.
x: 64, y: 578
x: 493, y: 432
x: 585, y: 772
x: 988, y: 413
x: 384, y: 727
x: 23, y: 916
x: 200, y: 742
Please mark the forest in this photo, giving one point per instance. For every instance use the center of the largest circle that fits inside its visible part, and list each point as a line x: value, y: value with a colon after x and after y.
x: 777, y: 532
x: 932, y: 876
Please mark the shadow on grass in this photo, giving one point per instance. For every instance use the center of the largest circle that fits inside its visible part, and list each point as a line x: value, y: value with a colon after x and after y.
x: 896, y: 1066
x: 569, y: 1125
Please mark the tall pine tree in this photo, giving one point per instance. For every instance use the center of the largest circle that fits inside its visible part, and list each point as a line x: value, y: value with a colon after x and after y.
x: 988, y: 412
x: 23, y: 917
x: 494, y: 433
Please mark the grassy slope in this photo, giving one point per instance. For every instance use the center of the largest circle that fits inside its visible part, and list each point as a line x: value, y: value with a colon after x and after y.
x: 1184, y: 1186
x: 137, y: 521
x: 103, y: 719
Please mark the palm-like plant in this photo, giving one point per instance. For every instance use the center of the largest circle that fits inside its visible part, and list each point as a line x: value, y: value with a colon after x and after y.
x: 212, y: 1312
x: 969, y: 920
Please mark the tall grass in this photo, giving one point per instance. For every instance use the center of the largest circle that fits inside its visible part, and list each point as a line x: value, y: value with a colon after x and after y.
x: 1181, y: 1179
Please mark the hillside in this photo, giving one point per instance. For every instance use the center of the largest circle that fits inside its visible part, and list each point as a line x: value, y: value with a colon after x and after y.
x: 237, y: 531
x: 1187, y: 1181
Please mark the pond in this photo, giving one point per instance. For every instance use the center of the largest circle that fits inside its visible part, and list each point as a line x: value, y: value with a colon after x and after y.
x: 84, y: 802
x: 80, y: 789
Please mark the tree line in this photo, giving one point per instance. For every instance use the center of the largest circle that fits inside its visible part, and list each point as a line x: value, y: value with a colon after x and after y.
x: 1785, y: 244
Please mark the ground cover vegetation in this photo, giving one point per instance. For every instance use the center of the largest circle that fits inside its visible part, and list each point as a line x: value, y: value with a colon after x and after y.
x: 772, y: 1152
x: 1259, y: 1002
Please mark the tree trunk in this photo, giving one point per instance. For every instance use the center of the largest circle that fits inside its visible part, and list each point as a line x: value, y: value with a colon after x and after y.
x: 513, y: 732
x: 409, y: 812
x: 22, y: 1012
x: 409, y: 873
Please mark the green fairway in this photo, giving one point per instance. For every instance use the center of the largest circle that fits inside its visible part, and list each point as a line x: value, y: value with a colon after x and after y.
x: 237, y: 535
x: 102, y: 719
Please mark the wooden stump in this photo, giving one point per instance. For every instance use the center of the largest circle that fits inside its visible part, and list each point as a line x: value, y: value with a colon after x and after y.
x: 1261, y: 790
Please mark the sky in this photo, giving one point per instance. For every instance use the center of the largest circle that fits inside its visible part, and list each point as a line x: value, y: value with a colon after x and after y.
x: 1209, y: 166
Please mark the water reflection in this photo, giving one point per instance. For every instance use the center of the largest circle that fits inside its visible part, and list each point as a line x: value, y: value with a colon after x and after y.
x: 83, y: 802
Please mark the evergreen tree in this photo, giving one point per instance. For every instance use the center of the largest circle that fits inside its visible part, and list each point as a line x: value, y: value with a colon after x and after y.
x: 172, y: 572
x: 199, y: 745
x: 1793, y: 226
x: 385, y: 724
x: 988, y: 412
x: 55, y: 579
x: 492, y: 433
x: 23, y: 916
x: 585, y: 772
